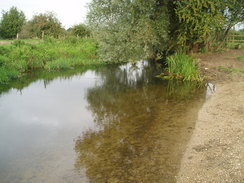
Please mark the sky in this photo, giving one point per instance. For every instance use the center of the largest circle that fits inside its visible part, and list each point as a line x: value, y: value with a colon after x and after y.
x: 69, y: 12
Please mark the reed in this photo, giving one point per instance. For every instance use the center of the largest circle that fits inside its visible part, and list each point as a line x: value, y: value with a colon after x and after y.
x: 182, y: 67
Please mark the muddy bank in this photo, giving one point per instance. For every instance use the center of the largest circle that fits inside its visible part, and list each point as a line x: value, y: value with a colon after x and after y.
x: 215, y: 151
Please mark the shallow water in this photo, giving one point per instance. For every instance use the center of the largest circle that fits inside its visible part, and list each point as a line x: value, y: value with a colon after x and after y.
x: 111, y: 124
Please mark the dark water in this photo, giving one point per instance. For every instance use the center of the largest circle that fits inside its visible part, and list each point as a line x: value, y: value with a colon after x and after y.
x: 116, y: 124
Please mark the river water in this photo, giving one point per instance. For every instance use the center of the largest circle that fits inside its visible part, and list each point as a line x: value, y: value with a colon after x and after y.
x: 114, y: 124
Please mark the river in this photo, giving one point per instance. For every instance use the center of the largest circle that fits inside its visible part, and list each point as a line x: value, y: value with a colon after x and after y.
x: 113, y: 124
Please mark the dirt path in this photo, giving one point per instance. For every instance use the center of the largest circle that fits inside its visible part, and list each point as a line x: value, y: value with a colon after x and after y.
x: 215, y: 153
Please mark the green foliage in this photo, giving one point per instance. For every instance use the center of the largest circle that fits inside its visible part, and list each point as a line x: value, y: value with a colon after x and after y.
x: 129, y: 30
x: 240, y: 58
x: 80, y: 30
x: 230, y: 69
x: 198, y: 21
x: 11, y: 23
x: 182, y: 67
x: 18, y: 43
x: 4, y: 50
x: 204, y: 22
x: 139, y: 29
x: 7, y: 71
x: 60, y: 64
x: 50, y: 54
x: 43, y: 24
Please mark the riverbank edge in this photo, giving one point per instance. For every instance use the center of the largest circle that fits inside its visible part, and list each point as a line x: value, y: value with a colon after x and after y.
x: 215, y: 152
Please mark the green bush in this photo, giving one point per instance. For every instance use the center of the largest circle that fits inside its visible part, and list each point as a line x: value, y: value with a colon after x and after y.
x: 80, y: 30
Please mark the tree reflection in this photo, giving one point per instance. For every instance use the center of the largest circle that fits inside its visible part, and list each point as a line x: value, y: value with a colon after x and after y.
x: 142, y: 129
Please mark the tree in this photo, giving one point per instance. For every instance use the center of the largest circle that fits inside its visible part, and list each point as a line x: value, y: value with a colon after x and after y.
x: 138, y: 29
x: 205, y: 22
x: 43, y: 24
x: 80, y: 30
x: 11, y: 23
x: 129, y: 30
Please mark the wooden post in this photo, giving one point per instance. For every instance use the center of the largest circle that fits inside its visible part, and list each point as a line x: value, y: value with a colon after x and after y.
x: 17, y: 36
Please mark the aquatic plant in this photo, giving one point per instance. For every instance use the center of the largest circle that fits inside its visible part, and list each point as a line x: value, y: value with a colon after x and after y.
x: 181, y: 67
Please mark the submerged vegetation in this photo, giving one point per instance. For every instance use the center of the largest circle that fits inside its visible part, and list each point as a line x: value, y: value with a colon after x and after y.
x: 49, y: 54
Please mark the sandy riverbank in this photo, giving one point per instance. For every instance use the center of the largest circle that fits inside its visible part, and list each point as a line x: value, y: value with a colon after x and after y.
x: 215, y: 152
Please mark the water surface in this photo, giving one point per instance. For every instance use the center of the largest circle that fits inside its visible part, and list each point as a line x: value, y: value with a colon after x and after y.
x: 111, y: 124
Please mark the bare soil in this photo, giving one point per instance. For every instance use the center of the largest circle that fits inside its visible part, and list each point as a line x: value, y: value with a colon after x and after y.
x: 5, y: 42
x: 215, y: 153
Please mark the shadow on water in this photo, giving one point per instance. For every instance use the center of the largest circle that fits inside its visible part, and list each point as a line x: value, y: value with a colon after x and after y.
x: 143, y: 125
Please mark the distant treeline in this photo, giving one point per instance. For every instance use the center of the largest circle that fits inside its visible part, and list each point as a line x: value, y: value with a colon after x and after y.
x: 14, y: 25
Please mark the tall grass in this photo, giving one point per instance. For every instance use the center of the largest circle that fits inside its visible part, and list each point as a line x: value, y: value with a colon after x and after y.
x: 50, y: 54
x: 182, y: 67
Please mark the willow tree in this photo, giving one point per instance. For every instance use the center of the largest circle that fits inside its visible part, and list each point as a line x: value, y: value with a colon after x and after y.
x: 129, y: 29
x: 138, y: 29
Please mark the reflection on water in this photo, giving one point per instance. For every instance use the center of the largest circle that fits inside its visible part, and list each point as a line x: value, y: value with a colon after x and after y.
x: 112, y: 124
x: 144, y: 127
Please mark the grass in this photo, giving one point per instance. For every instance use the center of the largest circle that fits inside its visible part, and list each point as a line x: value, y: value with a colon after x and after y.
x: 51, y: 54
x: 240, y: 58
x: 182, y: 67
x: 230, y: 69
x: 234, y: 45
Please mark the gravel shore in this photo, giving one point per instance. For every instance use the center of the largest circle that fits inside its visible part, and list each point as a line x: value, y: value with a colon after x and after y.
x: 215, y: 153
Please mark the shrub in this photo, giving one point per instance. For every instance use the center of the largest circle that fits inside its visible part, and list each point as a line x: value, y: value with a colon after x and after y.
x: 80, y: 30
